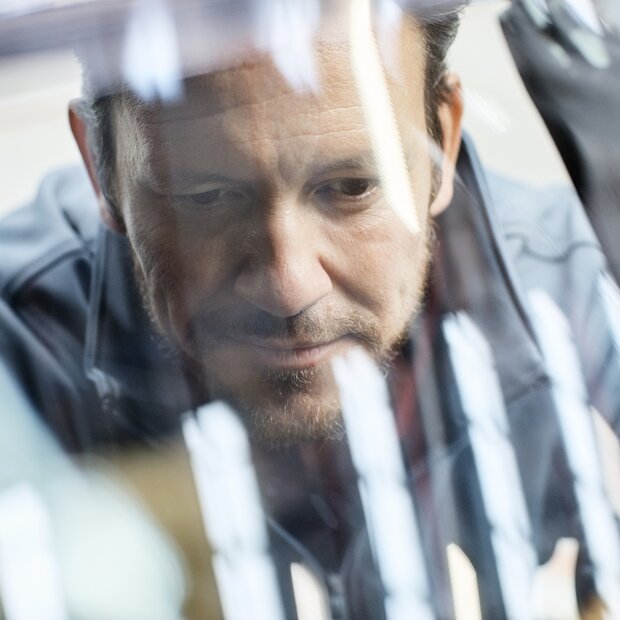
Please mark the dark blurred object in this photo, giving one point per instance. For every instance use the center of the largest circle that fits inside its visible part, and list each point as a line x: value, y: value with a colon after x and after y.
x: 571, y: 69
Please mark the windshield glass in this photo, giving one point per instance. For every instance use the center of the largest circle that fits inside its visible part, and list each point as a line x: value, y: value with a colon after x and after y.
x: 309, y: 310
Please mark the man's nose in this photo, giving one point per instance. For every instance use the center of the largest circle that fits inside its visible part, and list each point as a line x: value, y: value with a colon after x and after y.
x: 284, y: 272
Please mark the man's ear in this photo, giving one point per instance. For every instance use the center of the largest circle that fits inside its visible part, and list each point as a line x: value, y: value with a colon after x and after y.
x: 79, y: 128
x: 450, y: 115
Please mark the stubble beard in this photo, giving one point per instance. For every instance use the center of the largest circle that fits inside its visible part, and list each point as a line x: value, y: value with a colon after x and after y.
x: 288, y: 411
x: 286, y: 407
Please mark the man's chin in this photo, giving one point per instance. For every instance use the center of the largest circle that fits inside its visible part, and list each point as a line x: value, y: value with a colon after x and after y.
x: 281, y: 407
x: 282, y: 428
x: 289, y: 408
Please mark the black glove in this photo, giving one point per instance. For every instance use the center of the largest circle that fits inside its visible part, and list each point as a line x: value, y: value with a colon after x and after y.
x: 573, y: 77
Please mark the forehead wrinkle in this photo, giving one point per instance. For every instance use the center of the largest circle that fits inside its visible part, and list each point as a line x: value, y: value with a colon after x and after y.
x: 255, y: 85
x: 205, y: 107
x: 266, y: 107
x: 135, y: 142
x: 240, y: 139
x: 235, y: 130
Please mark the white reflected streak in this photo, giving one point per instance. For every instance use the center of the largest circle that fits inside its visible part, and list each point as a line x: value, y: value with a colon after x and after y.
x: 611, y: 302
x: 586, y: 13
x: 610, y: 459
x: 496, y: 463
x: 390, y: 19
x: 379, y: 115
x: 578, y: 434
x: 27, y: 559
x: 151, y: 62
x: 232, y: 514
x: 388, y: 508
x: 286, y: 29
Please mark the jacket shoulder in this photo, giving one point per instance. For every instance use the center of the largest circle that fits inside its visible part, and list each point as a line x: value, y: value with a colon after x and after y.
x: 47, y: 258
x: 60, y: 222
x: 545, y: 221
x: 553, y: 248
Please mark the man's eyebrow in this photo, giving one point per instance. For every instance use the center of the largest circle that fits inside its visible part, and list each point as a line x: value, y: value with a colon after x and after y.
x: 365, y: 162
x: 184, y: 180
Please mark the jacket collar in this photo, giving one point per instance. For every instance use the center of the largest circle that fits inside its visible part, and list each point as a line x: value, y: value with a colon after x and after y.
x: 123, y: 356
x: 472, y: 273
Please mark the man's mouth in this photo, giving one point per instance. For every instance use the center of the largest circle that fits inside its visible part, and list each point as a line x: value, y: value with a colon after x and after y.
x: 283, y: 354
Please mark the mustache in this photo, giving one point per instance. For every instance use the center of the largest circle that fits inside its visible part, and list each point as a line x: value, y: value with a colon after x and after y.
x: 307, y: 326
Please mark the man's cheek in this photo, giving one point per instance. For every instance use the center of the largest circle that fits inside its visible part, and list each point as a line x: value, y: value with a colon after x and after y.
x: 160, y: 277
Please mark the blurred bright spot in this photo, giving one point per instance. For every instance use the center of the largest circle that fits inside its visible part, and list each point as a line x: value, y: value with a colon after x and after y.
x: 553, y: 587
x: 310, y: 596
x: 464, y: 585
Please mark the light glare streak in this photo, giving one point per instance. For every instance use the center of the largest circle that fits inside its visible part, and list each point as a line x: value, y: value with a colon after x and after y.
x: 232, y: 514
x: 496, y: 463
x: 611, y: 302
x: 379, y: 114
x: 286, y: 29
x: 151, y: 62
x: 387, y: 503
x: 577, y: 427
x: 554, y: 592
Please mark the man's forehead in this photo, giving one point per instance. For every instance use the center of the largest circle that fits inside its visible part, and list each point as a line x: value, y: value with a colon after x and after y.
x: 242, y: 106
x: 254, y: 78
x: 248, y: 118
x: 255, y: 82
x: 275, y: 139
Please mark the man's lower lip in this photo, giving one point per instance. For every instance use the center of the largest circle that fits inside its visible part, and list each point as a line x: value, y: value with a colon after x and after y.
x: 296, y: 359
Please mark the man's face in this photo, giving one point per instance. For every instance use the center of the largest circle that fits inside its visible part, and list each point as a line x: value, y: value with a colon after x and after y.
x: 263, y: 239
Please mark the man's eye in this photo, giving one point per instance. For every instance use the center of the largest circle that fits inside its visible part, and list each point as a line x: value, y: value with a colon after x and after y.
x: 211, y: 198
x: 351, y: 189
x: 354, y: 187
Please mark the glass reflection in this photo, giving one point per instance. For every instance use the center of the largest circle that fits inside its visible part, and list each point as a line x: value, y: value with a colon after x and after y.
x: 284, y: 347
